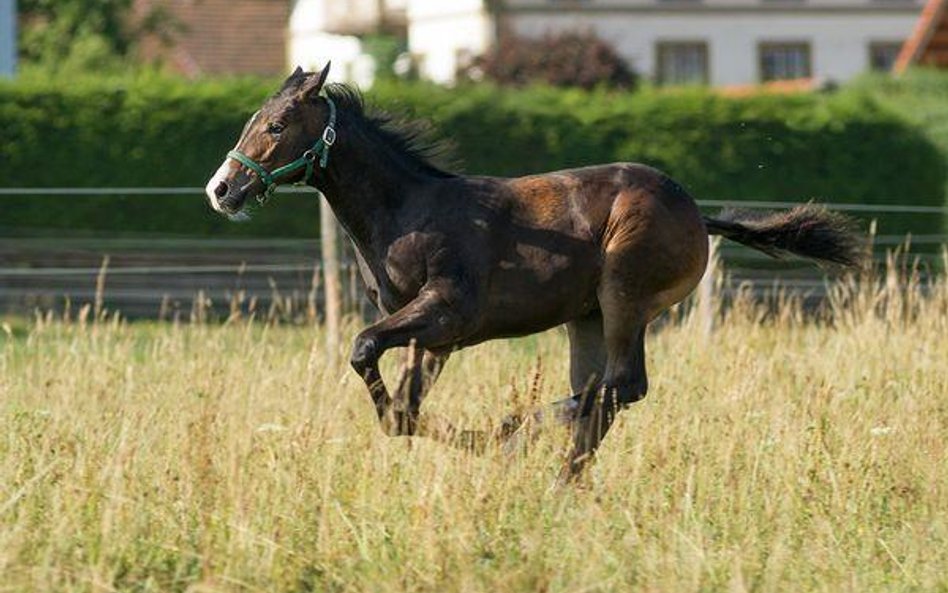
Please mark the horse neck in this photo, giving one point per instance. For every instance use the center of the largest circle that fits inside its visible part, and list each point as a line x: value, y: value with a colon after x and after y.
x: 367, y: 186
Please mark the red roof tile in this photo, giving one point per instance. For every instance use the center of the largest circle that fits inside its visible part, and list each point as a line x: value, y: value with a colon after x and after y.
x: 928, y: 44
x: 223, y: 36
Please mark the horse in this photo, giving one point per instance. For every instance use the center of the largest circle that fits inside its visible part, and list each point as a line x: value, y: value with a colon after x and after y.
x: 452, y: 261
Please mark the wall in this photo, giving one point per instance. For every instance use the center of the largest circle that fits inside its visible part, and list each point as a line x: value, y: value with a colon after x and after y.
x: 439, y: 33
x: 839, y: 31
x: 310, y: 46
x: 839, y: 42
x: 357, y: 17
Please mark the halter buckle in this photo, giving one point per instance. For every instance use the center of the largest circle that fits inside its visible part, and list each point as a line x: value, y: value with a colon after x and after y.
x: 309, y: 155
x: 329, y: 136
x: 263, y: 197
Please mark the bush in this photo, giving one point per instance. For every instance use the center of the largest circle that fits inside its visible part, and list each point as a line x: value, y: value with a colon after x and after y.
x: 149, y: 131
x: 570, y: 59
x: 918, y: 96
x: 89, y: 35
x: 159, y: 132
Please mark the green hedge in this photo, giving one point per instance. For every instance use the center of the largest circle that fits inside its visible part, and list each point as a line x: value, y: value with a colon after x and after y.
x: 844, y: 147
x: 919, y: 96
x: 126, y: 133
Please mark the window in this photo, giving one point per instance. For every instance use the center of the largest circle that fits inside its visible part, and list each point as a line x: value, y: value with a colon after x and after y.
x: 784, y: 61
x: 882, y: 55
x: 682, y: 62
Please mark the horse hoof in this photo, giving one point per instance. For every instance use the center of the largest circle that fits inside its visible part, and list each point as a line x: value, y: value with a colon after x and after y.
x: 364, y: 354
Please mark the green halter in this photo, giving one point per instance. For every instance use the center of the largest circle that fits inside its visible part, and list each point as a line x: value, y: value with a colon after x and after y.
x: 320, y: 149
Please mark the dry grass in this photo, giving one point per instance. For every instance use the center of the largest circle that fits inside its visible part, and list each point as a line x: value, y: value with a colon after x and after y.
x: 777, y: 455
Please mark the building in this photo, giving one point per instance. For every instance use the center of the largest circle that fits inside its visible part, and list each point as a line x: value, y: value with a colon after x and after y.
x: 221, y: 36
x: 718, y: 42
x: 928, y: 44
x: 270, y: 37
x: 324, y: 29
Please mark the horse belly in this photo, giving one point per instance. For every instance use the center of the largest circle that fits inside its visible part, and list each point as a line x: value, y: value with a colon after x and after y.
x: 536, y: 289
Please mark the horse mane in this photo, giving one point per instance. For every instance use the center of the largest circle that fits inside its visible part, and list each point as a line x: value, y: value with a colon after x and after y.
x: 412, y: 141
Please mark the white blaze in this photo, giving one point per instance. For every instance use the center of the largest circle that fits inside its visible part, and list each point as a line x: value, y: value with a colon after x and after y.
x: 224, y: 171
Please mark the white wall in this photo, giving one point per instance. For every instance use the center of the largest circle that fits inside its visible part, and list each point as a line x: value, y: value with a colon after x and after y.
x: 310, y: 47
x: 7, y: 38
x: 438, y: 30
x: 697, y: 6
x: 839, y: 32
x: 839, y: 42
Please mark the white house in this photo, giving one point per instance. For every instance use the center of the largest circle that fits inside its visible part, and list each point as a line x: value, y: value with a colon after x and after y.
x: 323, y: 29
x: 718, y: 42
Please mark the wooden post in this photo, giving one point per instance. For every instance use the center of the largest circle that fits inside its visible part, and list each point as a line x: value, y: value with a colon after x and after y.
x: 707, y: 308
x: 332, y: 285
x: 99, y: 309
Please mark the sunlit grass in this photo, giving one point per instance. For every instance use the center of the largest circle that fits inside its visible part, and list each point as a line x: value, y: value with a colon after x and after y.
x: 777, y: 454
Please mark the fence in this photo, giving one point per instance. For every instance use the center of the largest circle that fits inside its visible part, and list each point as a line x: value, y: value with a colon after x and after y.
x: 151, y: 276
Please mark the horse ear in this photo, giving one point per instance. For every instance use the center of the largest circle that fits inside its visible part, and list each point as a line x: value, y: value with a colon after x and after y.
x: 323, y: 75
x: 294, y: 79
x: 314, y: 84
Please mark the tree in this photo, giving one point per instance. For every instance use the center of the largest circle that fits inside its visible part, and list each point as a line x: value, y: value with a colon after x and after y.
x: 579, y: 59
x: 86, y: 34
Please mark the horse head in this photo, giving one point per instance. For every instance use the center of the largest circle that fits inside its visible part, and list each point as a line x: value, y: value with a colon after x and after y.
x: 285, y: 141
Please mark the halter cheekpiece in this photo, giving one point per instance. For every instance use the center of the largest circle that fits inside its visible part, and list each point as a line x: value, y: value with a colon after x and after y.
x: 307, y: 160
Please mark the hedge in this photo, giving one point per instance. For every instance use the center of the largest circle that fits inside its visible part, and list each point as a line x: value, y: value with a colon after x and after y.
x: 843, y: 147
x: 919, y: 96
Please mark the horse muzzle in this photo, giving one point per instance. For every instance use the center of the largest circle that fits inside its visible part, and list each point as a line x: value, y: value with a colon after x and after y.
x: 227, y: 191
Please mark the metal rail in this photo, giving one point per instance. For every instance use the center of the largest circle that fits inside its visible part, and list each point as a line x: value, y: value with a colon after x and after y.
x: 44, y: 268
x: 893, y: 208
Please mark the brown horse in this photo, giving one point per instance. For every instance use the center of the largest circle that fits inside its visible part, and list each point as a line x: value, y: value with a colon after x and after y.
x: 452, y: 261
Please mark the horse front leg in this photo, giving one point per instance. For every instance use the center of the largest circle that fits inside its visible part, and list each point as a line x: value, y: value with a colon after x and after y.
x: 421, y: 369
x: 431, y: 323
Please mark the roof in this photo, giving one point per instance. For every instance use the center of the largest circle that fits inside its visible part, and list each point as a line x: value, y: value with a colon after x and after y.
x: 222, y: 36
x: 928, y: 45
x: 773, y: 87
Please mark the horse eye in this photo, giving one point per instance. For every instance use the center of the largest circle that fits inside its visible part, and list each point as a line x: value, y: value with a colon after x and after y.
x: 274, y: 128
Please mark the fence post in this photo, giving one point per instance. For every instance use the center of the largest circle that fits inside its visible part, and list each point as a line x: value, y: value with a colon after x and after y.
x: 332, y: 285
x: 707, y: 308
x: 100, y: 289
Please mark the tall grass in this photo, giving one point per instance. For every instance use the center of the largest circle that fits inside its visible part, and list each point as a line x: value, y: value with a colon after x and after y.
x: 778, y: 453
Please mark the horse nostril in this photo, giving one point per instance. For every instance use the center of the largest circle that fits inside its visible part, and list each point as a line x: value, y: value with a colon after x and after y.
x: 221, y: 190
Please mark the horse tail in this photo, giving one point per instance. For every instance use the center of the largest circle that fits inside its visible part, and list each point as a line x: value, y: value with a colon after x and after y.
x: 809, y: 231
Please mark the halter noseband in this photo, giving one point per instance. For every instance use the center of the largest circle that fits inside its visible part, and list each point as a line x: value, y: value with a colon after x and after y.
x: 319, y: 150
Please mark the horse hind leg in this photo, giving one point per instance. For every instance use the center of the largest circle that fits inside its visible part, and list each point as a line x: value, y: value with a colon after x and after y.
x: 655, y: 255
x: 587, y: 354
x: 587, y: 359
x: 623, y: 383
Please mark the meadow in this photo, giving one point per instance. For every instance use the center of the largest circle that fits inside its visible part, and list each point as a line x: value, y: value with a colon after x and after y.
x: 781, y: 452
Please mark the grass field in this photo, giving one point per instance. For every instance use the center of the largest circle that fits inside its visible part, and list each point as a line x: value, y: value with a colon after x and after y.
x: 778, y: 454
